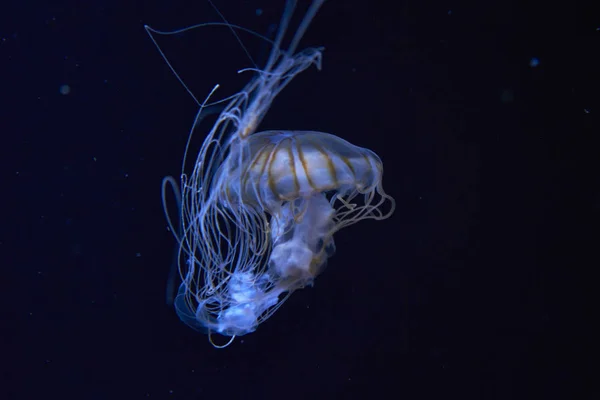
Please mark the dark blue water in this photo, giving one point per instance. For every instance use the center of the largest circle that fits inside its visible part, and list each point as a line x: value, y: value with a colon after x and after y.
x: 481, y: 113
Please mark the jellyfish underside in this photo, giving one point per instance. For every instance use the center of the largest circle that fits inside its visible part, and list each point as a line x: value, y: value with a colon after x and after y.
x: 275, y: 205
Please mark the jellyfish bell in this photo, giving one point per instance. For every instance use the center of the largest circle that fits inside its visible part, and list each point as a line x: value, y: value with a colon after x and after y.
x: 286, y: 165
x: 259, y: 210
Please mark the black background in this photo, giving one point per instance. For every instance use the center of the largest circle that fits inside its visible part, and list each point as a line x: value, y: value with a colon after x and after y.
x: 472, y: 289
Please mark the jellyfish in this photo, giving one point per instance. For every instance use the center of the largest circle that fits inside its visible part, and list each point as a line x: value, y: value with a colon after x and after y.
x: 258, y: 212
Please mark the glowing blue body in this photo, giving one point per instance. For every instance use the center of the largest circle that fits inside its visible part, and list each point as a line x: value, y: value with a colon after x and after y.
x: 259, y: 210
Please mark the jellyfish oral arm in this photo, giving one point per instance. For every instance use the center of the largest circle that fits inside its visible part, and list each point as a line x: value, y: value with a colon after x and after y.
x: 302, y: 242
x: 301, y: 233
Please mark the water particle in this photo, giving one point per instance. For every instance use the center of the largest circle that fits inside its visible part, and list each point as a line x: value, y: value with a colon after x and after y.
x: 534, y: 62
x: 65, y: 89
